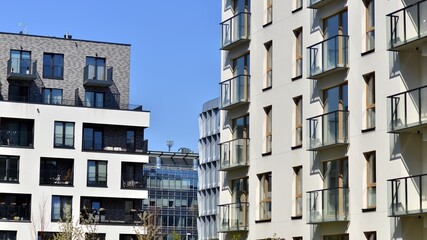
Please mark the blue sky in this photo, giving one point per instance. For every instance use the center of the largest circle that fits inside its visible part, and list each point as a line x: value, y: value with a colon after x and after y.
x: 175, y: 57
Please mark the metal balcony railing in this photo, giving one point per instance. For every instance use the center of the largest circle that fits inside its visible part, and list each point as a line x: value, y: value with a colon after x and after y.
x: 9, y: 175
x: 407, y: 25
x: 328, y: 56
x: 328, y: 205
x: 21, y: 69
x: 235, y: 30
x: 234, y: 154
x: 407, y: 195
x: 13, y: 212
x: 56, y: 177
x: 235, y: 91
x: 109, y: 216
x: 12, y: 138
x: 98, y: 75
x: 327, y: 130
x: 234, y: 217
x: 134, y: 181
x: 114, y: 144
x: 407, y: 109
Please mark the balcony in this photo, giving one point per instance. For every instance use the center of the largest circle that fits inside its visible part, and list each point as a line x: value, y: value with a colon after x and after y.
x: 236, y: 30
x: 9, y: 175
x: 234, y: 217
x: 110, y: 211
x: 15, y: 207
x: 407, y: 27
x: 98, y: 76
x: 328, y: 56
x: 21, y: 69
x: 15, y: 138
x: 328, y: 205
x: 328, y: 130
x: 56, y: 177
x: 316, y: 4
x: 134, y: 181
x: 407, y: 195
x: 234, y: 154
x: 408, y: 113
x: 235, y: 92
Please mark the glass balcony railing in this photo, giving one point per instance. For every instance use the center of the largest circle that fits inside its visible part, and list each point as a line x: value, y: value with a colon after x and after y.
x: 98, y: 76
x: 21, y: 69
x: 134, y: 181
x: 407, y: 195
x: 235, y: 30
x: 9, y: 174
x: 328, y: 205
x: 327, y: 130
x: 15, y: 212
x: 12, y: 138
x: 112, y: 144
x: 56, y: 177
x: 235, y: 91
x: 407, y: 109
x: 234, y: 154
x: 328, y: 56
x: 407, y: 25
x: 110, y: 216
x: 234, y: 217
x: 316, y: 4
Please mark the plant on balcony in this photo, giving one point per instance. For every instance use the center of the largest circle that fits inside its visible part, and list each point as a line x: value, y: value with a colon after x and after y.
x: 68, y: 176
x: 68, y: 230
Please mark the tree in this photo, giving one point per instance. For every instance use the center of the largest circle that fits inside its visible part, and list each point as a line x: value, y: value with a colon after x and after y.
x: 68, y: 230
x: 148, y: 230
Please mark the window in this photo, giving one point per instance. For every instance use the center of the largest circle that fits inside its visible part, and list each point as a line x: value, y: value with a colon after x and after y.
x: 46, y: 235
x: 370, y: 100
x: 53, y: 65
x: 336, y: 237
x: 52, y: 96
x: 64, y: 135
x: 92, y: 139
x: 56, y: 171
x: 335, y: 25
x: 19, y: 93
x: 268, y: 11
x: 268, y: 138
x: 371, y: 179
x: 7, y: 235
x: 240, y: 6
x: 298, y: 121
x: 97, y: 173
x: 370, y: 24
x: 269, y: 65
x: 335, y: 173
x: 61, y: 208
x: 335, y: 98
x: 298, y: 52
x: 240, y: 193
x: 94, y: 236
x: 130, y: 140
x: 20, y: 62
x: 9, y: 169
x: 297, y: 4
x: 241, y: 127
x: 298, y: 191
x: 96, y: 68
x: 94, y: 99
x: 371, y: 235
x: 297, y: 238
x: 265, y: 200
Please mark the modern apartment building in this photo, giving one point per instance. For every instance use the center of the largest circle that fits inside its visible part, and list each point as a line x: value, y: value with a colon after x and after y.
x: 70, y: 142
x: 208, y: 193
x: 323, y: 131
x: 172, y: 193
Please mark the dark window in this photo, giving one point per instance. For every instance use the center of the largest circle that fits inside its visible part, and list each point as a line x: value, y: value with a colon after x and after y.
x: 53, y: 65
x: 94, y: 99
x: 52, y: 96
x: 46, y: 235
x: 96, y: 68
x: 56, y: 171
x: 9, y: 169
x: 20, y: 61
x: 7, y: 235
x: 92, y: 139
x: 61, y: 207
x: 130, y: 141
x: 16, y: 132
x: 19, y: 93
x: 95, y: 236
x: 64, y: 135
x: 97, y: 173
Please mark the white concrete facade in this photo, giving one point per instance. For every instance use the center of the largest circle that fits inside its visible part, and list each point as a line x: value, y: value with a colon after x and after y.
x: 340, y: 134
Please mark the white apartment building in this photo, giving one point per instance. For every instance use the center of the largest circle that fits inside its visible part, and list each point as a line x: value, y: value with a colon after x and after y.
x: 69, y: 140
x: 323, y: 117
x: 208, y: 171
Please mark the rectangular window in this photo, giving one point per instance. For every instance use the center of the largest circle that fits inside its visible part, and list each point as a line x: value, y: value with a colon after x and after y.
x: 61, y: 208
x: 370, y: 100
x: 92, y: 139
x: 268, y: 11
x: 371, y: 179
x: 96, y: 68
x: 240, y: 127
x: 52, y: 96
x: 370, y: 24
x: 9, y: 168
x: 130, y: 140
x: 19, y: 93
x: 7, y: 235
x: 64, y: 135
x: 56, y: 171
x: 53, y: 65
x: 297, y: 238
x: 298, y: 190
x: 336, y: 237
x: 371, y: 235
x: 97, y: 236
x: 94, y: 99
x: 97, y: 173
x: 268, y: 138
x: 298, y: 52
x: 269, y: 65
x: 20, y: 62
x: 298, y: 121
x: 265, y: 199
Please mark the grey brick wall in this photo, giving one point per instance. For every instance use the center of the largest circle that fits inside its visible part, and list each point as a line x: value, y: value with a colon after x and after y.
x: 75, y: 53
